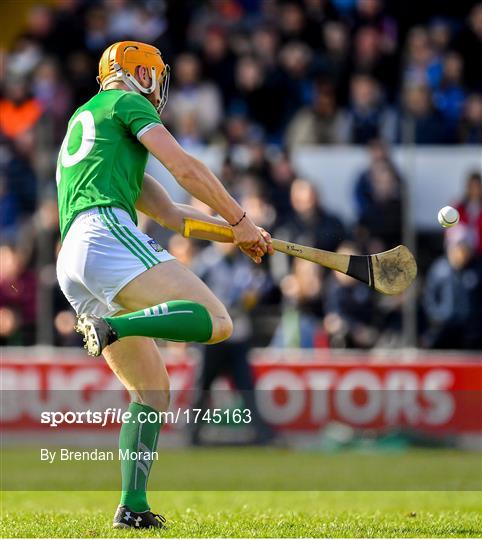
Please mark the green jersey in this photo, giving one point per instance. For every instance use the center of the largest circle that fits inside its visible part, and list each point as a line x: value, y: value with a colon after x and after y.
x: 101, y: 161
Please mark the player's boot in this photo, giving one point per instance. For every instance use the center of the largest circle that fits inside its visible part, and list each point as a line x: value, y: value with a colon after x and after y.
x: 97, y: 333
x: 125, y: 519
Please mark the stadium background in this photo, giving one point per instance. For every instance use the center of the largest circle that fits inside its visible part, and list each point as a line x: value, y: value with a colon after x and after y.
x: 378, y: 106
x: 340, y: 124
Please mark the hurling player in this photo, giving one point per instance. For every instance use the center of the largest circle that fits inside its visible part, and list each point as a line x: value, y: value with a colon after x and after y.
x: 125, y: 288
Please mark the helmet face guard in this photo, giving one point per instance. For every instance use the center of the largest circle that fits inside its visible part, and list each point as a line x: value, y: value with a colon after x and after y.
x: 120, y: 61
x: 164, y: 89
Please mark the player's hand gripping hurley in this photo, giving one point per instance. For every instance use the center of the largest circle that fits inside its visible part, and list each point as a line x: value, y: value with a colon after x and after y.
x: 390, y: 272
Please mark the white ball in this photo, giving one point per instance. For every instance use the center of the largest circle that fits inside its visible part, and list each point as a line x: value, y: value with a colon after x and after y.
x: 448, y: 216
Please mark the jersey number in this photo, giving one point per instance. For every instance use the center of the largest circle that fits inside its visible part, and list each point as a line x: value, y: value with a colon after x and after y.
x: 88, y: 138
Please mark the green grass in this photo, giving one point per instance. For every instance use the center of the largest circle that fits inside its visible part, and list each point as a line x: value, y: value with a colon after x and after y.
x: 249, y: 492
x: 257, y: 469
x: 250, y: 514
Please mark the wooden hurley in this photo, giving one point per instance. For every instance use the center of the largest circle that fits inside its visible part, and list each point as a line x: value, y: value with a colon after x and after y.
x: 390, y: 272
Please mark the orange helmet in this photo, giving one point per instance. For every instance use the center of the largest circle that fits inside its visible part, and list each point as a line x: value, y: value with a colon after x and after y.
x: 120, y: 60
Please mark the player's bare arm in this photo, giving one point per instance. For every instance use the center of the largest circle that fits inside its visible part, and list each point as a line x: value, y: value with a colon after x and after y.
x: 200, y: 182
x: 155, y: 202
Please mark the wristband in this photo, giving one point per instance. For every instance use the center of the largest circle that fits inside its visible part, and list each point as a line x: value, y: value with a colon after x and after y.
x: 238, y: 222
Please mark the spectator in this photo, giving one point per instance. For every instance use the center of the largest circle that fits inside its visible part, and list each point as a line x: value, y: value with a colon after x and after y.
x: 369, y: 58
x: 265, y: 46
x: 68, y: 29
x: 64, y: 324
x: 121, y: 18
x: 366, y: 117
x: 389, y: 321
x: 261, y: 211
x: 280, y: 179
x: 363, y: 191
x: 44, y: 229
x: 440, y: 35
x: 39, y: 29
x: 96, y: 37
x: 131, y: 21
x: 470, y: 209
x: 240, y: 286
x: 258, y: 162
x: 334, y: 59
x: 372, y: 13
x: 191, y: 97
x: 253, y: 94
x: 17, y: 298
x: 53, y: 95
x: 19, y: 112
x: 381, y: 216
x: 148, y: 24
x: 470, y: 128
x: 26, y: 53
x: 218, y: 62
x: 317, y: 124
x: 295, y: 83
x: 419, y: 122
x: 450, y: 95
x: 453, y: 295
x: 312, y: 224
x: 294, y: 26
x: 237, y: 129
x: 9, y: 210
x: 236, y: 282
x: 300, y: 323
x: 309, y: 224
x: 79, y: 70
x: 229, y: 173
x: 349, y: 309
x: 469, y: 43
x: 20, y: 177
x: 422, y: 66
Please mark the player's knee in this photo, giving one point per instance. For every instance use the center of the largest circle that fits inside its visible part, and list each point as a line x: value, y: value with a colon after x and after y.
x: 222, y: 328
x: 157, y: 399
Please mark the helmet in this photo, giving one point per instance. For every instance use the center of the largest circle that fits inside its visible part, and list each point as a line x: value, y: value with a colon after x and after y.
x: 120, y: 60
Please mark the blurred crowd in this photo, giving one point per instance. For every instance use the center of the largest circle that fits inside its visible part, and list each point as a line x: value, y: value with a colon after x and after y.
x: 259, y: 78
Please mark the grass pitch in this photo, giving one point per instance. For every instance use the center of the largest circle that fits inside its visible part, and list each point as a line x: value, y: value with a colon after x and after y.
x: 250, y: 514
x: 256, y: 469
x: 197, y: 507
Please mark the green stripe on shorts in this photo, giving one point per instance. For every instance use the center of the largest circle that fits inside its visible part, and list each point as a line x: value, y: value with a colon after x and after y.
x: 127, y: 232
x: 125, y: 242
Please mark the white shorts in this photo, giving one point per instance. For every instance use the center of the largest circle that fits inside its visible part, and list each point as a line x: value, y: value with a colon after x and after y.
x: 102, y: 252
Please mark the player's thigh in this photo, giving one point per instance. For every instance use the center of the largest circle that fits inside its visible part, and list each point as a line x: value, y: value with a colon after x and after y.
x: 172, y: 281
x: 137, y: 363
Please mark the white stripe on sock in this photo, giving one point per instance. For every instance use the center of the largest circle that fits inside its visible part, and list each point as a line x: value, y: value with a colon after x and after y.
x: 160, y: 314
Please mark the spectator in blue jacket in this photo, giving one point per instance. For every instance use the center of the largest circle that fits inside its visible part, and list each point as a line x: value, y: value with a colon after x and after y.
x: 450, y: 95
x: 420, y: 122
x: 453, y: 295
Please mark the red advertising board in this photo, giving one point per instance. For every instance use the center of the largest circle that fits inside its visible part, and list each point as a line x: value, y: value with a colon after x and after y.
x: 295, y: 391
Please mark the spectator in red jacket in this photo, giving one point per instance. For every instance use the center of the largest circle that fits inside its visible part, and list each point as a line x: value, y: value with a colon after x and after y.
x: 470, y: 208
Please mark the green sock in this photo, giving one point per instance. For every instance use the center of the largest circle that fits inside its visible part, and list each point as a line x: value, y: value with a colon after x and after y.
x: 137, y: 437
x: 178, y: 320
